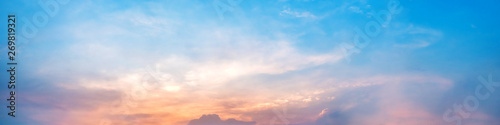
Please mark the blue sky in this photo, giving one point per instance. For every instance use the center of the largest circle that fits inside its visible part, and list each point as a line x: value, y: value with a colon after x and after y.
x: 261, y: 62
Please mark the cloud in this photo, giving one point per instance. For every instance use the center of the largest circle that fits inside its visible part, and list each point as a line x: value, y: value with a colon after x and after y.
x: 415, y: 36
x: 204, y: 70
x: 297, y: 14
x: 411, y: 100
x: 377, y: 104
x: 214, y: 119
x: 240, y: 70
x: 356, y: 9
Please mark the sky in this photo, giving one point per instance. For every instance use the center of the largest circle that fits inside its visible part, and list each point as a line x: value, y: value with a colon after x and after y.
x: 253, y: 62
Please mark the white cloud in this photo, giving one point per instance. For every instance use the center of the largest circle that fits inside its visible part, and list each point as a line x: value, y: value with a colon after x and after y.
x: 356, y: 9
x: 414, y: 36
x: 297, y: 14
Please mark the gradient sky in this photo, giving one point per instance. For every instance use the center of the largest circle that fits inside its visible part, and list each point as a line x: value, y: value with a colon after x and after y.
x: 100, y: 62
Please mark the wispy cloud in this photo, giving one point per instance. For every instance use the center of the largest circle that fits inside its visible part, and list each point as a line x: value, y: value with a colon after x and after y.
x: 304, y: 14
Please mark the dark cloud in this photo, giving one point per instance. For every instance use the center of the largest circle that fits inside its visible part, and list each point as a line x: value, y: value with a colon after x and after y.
x: 214, y: 119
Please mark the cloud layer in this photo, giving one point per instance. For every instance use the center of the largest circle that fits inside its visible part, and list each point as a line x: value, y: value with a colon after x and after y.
x: 266, y: 62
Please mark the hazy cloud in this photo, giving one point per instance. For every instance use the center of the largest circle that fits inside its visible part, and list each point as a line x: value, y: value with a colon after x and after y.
x: 214, y: 119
